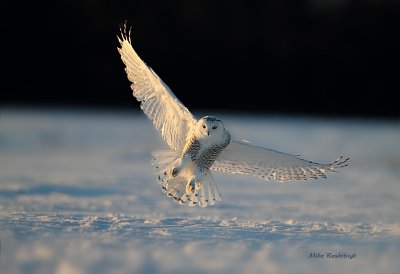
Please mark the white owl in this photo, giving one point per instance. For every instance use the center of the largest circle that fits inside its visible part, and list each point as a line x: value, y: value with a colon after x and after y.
x: 197, y: 146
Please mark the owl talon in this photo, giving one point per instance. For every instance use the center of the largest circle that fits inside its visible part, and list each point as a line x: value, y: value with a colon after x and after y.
x: 174, y: 172
x: 190, y: 187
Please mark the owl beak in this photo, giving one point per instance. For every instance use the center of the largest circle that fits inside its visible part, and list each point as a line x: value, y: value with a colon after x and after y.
x: 208, y: 133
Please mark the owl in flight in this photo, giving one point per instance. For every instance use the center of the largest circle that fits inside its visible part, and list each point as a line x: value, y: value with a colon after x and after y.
x: 199, y: 146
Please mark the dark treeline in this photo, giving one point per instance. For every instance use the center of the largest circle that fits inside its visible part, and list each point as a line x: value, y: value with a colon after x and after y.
x: 311, y: 57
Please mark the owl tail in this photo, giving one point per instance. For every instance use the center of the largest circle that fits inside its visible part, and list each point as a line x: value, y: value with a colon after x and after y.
x: 205, y: 190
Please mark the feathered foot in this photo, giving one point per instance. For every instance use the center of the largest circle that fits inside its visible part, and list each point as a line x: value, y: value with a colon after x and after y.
x: 175, y: 171
x: 190, y: 187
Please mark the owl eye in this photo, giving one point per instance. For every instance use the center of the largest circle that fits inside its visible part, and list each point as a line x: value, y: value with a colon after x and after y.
x: 214, y: 127
x: 204, y: 126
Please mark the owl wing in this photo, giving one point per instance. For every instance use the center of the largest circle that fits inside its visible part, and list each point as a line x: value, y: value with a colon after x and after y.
x: 244, y: 158
x: 170, y: 117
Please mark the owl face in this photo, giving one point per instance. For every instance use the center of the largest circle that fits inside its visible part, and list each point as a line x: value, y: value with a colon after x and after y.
x: 210, y: 126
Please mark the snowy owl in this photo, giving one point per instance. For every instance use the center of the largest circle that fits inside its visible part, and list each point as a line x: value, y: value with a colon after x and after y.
x: 199, y: 146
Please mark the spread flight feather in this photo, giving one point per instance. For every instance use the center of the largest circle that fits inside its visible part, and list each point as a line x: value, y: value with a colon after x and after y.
x: 185, y: 175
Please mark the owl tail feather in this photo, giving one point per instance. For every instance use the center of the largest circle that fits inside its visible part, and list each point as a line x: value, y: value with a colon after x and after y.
x: 205, y: 191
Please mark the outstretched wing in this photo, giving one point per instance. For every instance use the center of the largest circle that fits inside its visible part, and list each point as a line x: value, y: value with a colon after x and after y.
x: 245, y: 158
x: 168, y: 114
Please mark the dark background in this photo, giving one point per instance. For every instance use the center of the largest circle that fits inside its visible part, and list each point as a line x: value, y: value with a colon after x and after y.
x: 325, y: 57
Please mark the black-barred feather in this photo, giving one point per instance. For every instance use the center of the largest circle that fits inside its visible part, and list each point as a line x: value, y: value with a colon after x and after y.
x: 205, y: 157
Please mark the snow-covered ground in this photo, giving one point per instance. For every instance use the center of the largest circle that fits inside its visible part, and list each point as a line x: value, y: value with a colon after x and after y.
x: 77, y: 195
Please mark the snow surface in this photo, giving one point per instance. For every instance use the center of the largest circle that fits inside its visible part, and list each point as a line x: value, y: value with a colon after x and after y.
x: 77, y: 195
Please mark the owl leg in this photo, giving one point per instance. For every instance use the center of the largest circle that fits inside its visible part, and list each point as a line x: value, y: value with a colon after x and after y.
x: 193, y: 183
x: 175, y: 171
x: 182, y: 163
x: 190, y: 186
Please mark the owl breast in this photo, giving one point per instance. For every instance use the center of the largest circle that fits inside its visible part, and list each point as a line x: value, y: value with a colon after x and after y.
x: 203, y: 153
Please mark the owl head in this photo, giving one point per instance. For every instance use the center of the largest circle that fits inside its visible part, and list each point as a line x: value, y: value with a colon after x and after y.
x: 210, y: 126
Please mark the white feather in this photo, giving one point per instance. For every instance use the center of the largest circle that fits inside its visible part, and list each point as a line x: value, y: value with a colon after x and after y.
x: 245, y: 158
x: 168, y: 114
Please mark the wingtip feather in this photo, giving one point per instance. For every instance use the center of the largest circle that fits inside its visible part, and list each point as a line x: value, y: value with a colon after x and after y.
x: 125, y: 33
